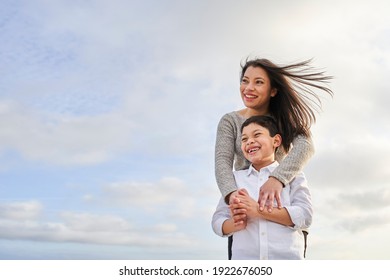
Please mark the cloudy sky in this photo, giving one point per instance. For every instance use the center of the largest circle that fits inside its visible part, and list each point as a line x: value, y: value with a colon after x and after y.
x: 108, y: 114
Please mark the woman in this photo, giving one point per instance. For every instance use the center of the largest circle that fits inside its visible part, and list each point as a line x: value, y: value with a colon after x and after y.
x: 286, y: 93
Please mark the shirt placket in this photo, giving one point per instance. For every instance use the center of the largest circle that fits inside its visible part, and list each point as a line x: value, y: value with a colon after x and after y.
x: 263, y: 238
x: 263, y: 232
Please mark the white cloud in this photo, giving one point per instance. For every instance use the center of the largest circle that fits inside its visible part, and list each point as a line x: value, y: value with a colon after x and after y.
x: 94, y: 223
x: 63, y: 140
x: 95, y: 229
x: 169, y: 195
x: 84, y: 84
x: 20, y: 211
x: 366, y: 222
x: 371, y: 199
x: 145, y: 195
x: 140, y: 210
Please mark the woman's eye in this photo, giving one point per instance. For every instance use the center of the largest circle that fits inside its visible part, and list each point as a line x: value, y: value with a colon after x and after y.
x: 244, y: 81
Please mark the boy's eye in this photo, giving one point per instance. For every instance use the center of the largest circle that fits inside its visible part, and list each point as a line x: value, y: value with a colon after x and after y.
x: 243, y: 139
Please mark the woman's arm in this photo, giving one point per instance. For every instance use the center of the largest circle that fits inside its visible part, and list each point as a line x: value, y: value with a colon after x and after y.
x: 224, y: 156
x: 289, y: 167
x: 300, y: 153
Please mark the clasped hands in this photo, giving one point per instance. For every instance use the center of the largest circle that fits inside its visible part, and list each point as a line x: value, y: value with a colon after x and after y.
x: 242, y: 206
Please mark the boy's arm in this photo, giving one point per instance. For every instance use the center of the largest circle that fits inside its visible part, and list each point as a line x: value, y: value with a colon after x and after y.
x: 229, y: 226
x: 224, y: 223
x: 280, y: 216
x: 250, y: 207
x: 300, y: 208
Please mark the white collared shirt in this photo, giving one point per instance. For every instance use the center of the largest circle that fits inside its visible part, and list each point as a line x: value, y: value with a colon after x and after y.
x: 262, y: 239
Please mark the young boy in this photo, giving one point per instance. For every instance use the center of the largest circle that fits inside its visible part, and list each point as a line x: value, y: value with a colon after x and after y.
x: 261, y: 234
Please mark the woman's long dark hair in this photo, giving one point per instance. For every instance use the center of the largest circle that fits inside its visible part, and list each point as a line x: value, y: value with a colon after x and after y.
x: 295, y: 103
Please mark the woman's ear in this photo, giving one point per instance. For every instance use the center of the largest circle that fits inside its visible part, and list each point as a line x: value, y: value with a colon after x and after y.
x: 274, y: 92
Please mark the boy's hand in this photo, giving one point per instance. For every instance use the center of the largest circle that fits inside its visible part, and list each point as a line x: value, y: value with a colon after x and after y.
x: 232, y: 196
x: 247, y: 203
x: 241, y: 224
x: 237, y: 212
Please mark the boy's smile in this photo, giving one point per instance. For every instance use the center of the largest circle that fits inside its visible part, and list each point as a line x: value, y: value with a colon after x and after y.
x: 258, y: 145
x: 252, y: 150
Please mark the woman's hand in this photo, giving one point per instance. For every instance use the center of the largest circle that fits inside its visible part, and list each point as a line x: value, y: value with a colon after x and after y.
x: 270, y: 191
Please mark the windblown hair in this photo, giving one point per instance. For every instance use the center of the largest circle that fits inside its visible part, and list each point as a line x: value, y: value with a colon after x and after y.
x: 295, y: 103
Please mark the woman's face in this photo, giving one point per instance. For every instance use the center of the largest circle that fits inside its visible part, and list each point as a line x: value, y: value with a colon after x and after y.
x: 256, y: 90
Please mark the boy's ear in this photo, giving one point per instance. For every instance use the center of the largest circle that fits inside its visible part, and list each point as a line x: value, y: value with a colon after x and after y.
x: 277, y: 140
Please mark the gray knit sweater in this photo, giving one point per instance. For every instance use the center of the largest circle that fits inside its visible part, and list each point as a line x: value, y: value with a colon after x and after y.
x: 228, y: 152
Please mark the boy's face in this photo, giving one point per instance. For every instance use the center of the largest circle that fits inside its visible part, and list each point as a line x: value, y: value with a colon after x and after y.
x: 258, y: 146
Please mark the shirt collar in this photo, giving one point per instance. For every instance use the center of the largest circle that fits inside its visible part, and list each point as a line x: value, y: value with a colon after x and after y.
x: 268, y: 168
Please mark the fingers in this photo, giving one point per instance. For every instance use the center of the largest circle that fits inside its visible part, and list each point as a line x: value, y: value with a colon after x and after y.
x: 278, y: 200
x: 266, y: 201
x: 262, y: 200
x: 239, y: 217
x: 269, y: 192
x: 238, y: 208
x: 238, y: 214
x: 240, y: 225
x: 243, y: 192
x: 270, y: 204
x: 239, y: 220
x: 270, y: 207
x: 235, y: 200
x: 232, y: 197
x: 239, y: 211
x: 237, y: 197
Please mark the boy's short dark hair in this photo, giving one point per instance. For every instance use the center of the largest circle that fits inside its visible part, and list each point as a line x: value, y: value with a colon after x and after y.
x: 265, y: 121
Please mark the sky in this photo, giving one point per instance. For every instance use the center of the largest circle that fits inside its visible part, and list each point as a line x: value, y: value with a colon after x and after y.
x: 109, y: 110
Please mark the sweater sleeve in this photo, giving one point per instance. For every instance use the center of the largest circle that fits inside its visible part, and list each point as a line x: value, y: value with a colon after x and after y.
x: 300, y: 153
x: 224, y: 155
